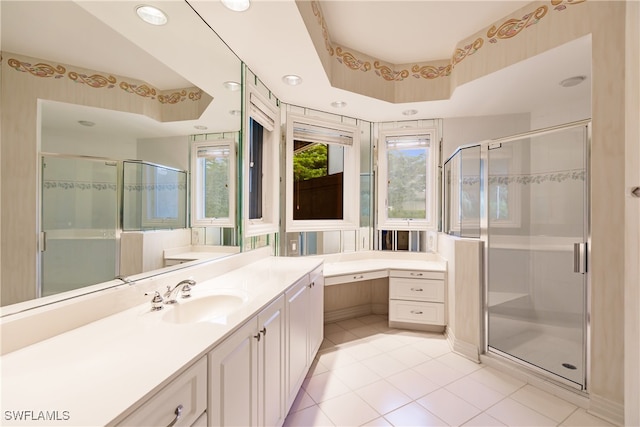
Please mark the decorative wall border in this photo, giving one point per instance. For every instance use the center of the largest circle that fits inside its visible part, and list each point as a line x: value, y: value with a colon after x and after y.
x: 99, y: 81
x: 508, y: 29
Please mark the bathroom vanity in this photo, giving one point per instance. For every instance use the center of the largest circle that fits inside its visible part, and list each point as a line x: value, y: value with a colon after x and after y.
x: 182, y: 364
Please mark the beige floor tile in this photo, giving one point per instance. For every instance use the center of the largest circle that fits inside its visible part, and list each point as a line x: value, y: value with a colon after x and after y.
x: 324, y: 386
x: 413, y: 415
x: 383, y: 397
x: 449, y: 407
x: 412, y: 383
x: 348, y: 410
x: 581, y: 418
x: 547, y: 404
x: 312, y: 416
x: 475, y: 393
x: 513, y: 413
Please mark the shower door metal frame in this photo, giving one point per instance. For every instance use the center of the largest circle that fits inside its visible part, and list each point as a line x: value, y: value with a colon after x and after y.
x: 484, y: 236
x: 40, y: 231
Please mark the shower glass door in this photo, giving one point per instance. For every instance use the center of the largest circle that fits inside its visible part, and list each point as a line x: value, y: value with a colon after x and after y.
x: 79, y: 223
x: 537, y: 235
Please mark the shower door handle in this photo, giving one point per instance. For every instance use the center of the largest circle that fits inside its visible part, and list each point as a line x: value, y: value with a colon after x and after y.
x: 580, y: 258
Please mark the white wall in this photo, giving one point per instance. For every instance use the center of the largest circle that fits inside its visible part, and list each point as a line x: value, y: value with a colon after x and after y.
x: 88, y: 142
x: 170, y: 151
x: 467, y: 130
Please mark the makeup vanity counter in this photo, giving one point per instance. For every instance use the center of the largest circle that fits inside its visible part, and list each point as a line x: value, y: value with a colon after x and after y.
x: 410, y: 286
x: 366, y: 265
x: 98, y: 374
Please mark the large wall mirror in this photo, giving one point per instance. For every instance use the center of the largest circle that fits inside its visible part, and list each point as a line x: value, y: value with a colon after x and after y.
x: 87, y: 85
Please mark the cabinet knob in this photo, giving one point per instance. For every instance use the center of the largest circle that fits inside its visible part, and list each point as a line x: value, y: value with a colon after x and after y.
x: 178, y: 413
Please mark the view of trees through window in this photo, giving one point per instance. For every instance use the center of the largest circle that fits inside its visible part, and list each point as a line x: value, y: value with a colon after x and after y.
x: 311, y: 162
x: 317, y: 181
x: 216, y: 187
x: 407, y: 181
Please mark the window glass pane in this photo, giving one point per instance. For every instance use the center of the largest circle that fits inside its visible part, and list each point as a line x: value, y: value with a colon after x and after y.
x: 407, y: 178
x: 318, y: 175
x: 256, y: 145
x: 214, y: 166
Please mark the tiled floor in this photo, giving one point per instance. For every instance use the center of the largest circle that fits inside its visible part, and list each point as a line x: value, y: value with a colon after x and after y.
x: 367, y: 374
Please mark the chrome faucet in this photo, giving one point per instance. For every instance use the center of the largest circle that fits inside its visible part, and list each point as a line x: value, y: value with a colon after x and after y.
x: 184, y: 286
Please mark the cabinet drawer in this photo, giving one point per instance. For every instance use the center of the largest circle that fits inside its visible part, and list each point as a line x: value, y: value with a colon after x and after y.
x: 188, y: 390
x: 355, y: 277
x: 415, y: 274
x: 416, y: 289
x: 428, y: 313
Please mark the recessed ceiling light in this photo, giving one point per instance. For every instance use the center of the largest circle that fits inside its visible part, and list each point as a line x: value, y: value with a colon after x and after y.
x: 410, y: 112
x: 573, y: 81
x: 338, y: 104
x: 237, y: 5
x: 151, y: 15
x: 233, y: 86
x: 292, y: 79
x: 235, y: 112
x: 200, y: 127
x: 86, y: 123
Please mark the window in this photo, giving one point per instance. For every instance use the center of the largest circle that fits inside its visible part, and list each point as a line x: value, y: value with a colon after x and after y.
x: 322, y: 171
x: 407, y: 179
x: 261, y: 165
x: 213, y: 183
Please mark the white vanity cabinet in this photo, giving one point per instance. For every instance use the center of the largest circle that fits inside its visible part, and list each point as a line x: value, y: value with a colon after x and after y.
x: 246, y: 373
x: 416, y: 298
x: 180, y: 403
x: 304, y: 329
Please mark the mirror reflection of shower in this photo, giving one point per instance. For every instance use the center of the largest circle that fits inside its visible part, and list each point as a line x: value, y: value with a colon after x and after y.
x: 82, y: 201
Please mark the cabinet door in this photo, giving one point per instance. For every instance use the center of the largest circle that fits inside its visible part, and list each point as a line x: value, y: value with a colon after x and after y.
x: 271, y: 380
x: 233, y: 367
x: 297, y: 344
x: 316, y: 310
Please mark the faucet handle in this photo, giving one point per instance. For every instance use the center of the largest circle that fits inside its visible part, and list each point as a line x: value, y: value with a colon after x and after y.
x: 156, y: 301
x: 186, y: 290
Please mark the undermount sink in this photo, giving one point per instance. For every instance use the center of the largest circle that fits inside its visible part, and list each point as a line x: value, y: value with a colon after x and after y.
x: 205, y: 308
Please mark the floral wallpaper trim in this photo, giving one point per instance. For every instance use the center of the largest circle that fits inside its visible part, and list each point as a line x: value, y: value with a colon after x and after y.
x: 561, y: 176
x: 325, y: 33
x: 508, y: 29
x: 155, y: 187
x: 95, y: 81
x: 513, y: 27
x: 98, y: 81
x: 72, y: 185
x: 38, y: 70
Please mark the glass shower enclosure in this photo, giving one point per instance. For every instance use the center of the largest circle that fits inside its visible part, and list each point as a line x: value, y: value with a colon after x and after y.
x: 537, y: 233
x: 79, y: 244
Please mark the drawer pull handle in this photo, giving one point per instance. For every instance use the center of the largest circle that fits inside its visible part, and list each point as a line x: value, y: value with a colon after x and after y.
x: 416, y: 311
x: 178, y: 413
x: 263, y: 331
x: 312, y: 284
x: 417, y: 289
x: 416, y: 274
x: 358, y: 277
x: 257, y: 337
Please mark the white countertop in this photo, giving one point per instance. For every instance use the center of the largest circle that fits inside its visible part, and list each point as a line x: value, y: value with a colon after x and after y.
x: 98, y: 371
x: 369, y: 261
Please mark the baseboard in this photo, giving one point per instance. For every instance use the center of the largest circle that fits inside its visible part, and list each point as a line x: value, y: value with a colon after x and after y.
x: 462, y: 348
x: 606, y: 409
x: 416, y: 326
x: 347, y: 313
